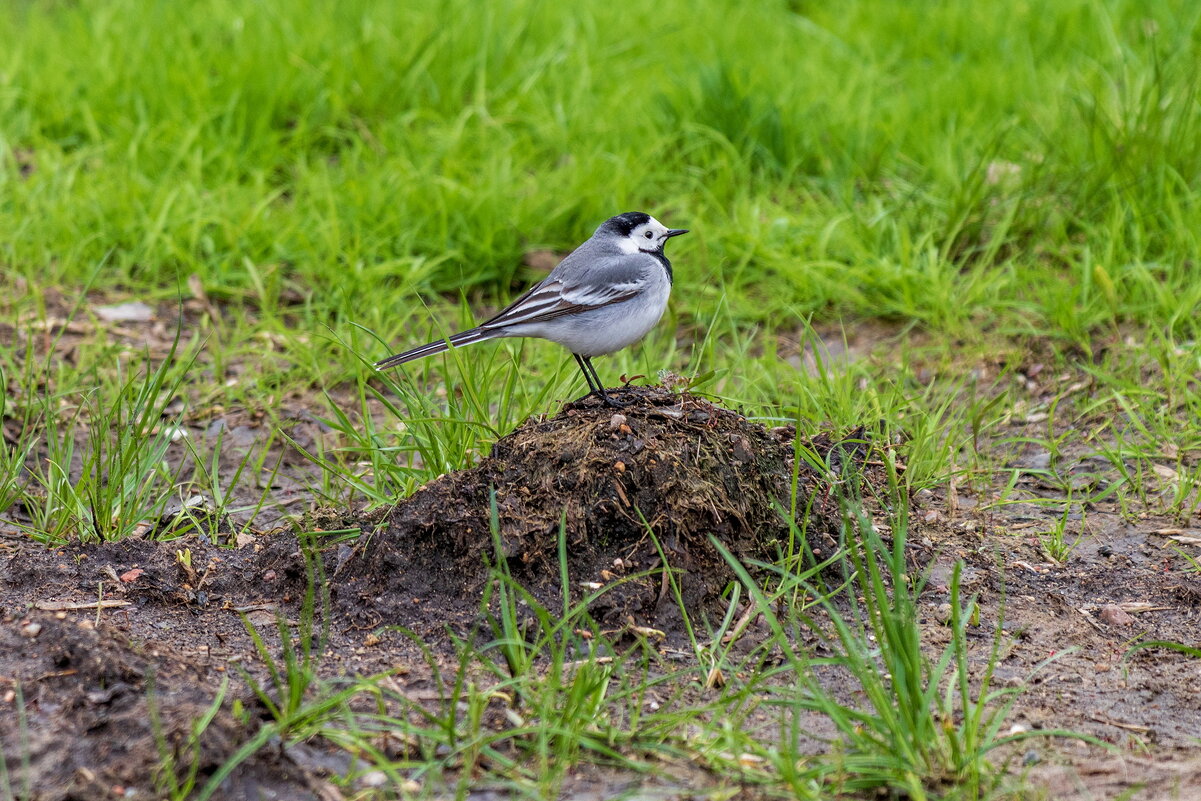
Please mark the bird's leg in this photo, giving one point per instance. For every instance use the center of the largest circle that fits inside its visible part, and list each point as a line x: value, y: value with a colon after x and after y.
x: 587, y: 377
x: 600, y: 388
x: 595, y: 387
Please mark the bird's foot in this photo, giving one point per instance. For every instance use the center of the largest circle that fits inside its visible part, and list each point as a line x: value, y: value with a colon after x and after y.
x: 612, y: 402
x: 604, y: 397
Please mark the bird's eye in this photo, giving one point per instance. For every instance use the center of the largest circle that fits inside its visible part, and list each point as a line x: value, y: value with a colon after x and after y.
x: 649, y: 235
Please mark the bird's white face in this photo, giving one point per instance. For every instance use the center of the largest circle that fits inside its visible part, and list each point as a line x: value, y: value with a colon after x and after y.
x: 648, y: 237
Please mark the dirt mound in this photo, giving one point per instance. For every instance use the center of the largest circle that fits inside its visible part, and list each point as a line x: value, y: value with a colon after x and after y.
x: 62, y: 679
x: 632, y: 488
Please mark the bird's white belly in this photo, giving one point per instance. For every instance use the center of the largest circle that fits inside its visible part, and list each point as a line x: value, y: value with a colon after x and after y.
x: 605, y: 329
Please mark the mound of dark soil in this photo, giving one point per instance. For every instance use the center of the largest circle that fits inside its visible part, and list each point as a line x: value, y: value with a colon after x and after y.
x: 632, y: 488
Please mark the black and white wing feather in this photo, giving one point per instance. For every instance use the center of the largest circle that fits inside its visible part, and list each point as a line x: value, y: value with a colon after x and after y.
x: 582, y: 282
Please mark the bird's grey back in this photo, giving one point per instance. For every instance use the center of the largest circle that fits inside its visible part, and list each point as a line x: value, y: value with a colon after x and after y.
x: 600, y: 260
x: 590, y: 264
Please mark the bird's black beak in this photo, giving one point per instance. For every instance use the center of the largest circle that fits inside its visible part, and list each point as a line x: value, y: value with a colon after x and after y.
x: 675, y: 232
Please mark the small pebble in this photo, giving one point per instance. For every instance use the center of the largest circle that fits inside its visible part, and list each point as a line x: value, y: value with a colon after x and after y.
x: 742, y: 449
x: 31, y: 630
x: 375, y: 778
x: 1115, y: 616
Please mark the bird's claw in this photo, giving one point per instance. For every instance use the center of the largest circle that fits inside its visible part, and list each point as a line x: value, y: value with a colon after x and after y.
x: 604, y: 397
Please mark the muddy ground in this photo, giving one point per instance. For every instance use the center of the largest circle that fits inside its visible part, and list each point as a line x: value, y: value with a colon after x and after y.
x: 109, y: 652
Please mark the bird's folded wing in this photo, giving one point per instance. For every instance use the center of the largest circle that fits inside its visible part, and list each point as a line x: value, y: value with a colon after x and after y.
x: 554, y: 298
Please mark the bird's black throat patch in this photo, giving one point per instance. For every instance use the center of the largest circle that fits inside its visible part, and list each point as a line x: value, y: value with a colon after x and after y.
x: 658, y: 254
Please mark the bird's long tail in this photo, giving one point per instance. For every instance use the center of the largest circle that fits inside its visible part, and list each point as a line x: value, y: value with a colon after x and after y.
x: 460, y: 339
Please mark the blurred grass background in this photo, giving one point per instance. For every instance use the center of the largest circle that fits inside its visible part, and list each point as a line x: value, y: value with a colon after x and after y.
x: 1032, y: 166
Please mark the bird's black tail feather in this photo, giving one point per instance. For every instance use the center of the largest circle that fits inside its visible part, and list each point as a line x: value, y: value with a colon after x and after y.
x: 458, y: 340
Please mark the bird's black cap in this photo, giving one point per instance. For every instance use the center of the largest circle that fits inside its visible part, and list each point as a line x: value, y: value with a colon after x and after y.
x: 623, y: 224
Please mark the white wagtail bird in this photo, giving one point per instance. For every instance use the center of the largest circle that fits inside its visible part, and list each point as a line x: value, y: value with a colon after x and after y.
x: 605, y: 296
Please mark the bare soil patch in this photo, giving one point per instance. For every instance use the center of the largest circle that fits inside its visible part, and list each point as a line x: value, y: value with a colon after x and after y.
x: 1120, y: 586
x: 80, y: 724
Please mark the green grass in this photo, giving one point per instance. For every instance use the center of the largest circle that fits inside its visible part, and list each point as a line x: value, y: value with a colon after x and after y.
x: 989, y: 187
